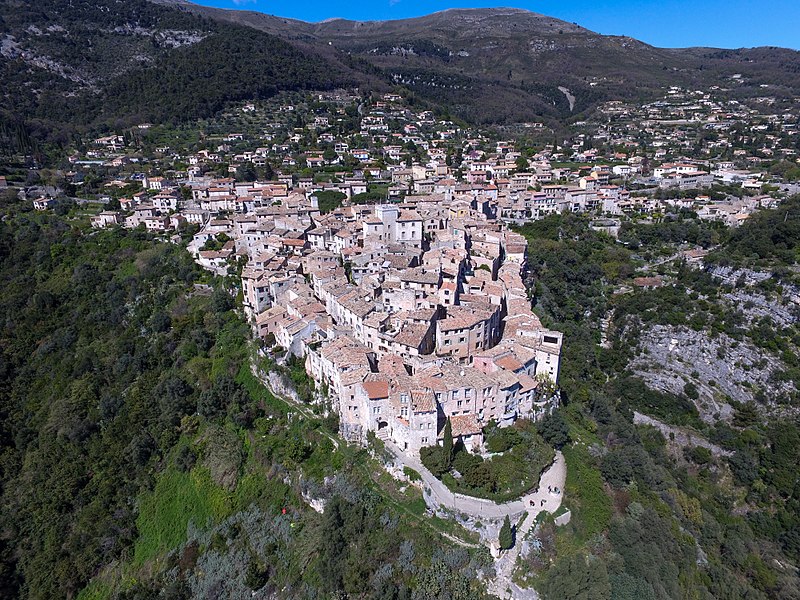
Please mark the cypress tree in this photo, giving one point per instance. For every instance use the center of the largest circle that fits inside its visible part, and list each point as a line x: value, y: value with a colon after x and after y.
x: 447, y: 445
x: 506, y: 535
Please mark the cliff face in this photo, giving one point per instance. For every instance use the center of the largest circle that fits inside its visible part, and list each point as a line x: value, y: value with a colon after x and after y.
x: 721, y: 368
x: 749, y: 368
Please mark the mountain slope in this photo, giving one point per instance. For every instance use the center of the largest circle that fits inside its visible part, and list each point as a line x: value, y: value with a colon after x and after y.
x: 69, y: 64
x: 505, y: 64
x: 73, y: 64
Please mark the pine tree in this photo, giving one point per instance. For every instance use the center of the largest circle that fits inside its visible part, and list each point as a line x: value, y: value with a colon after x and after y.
x: 506, y: 535
x: 447, y: 444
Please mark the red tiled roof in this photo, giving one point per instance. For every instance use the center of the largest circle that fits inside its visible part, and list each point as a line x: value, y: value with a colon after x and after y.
x: 376, y: 389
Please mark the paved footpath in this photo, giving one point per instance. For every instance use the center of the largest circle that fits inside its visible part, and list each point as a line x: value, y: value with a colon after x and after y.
x: 437, y: 494
x: 502, y: 586
x: 553, y: 478
x: 440, y: 495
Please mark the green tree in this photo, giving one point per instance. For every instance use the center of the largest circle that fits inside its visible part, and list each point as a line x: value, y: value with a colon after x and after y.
x: 447, y: 443
x: 246, y: 172
x: 256, y: 576
x: 506, y: 538
x: 334, y: 545
x: 577, y: 577
x: 329, y: 154
x: 554, y: 429
x: 329, y: 200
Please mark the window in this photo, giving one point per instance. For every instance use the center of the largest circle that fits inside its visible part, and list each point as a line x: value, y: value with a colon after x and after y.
x: 403, y: 397
x: 429, y: 425
x: 424, y: 440
x: 459, y: 404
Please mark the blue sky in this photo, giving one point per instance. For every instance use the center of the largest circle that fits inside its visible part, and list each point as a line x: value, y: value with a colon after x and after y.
x: 666, y: 23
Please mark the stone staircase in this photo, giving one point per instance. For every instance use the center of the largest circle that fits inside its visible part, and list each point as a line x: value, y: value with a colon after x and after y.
x: 382, y: 434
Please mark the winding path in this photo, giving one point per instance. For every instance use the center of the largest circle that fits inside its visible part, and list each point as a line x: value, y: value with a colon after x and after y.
x: 438, y: 494
x: 502, y: 584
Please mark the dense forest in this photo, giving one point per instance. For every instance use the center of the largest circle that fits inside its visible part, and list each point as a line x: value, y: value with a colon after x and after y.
x: 650, y: 520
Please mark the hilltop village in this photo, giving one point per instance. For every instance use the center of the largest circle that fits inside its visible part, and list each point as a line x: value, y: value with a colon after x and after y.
x: 408, y: 314
x: 479, y: 305
x: 375, y: 242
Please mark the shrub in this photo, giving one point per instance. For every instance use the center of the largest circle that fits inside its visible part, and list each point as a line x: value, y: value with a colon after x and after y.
x: 698, y: 454
x: 502, y: 439
x: 435, y: 460
x: 412, y: 474
x: 482, y: 476
x: 464, y: 462
x: 584, y: 489
x: 670, y: 408
x: 554, y: 429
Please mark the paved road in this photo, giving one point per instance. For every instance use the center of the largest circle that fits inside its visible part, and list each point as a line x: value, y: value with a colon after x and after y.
x: 554, y: 477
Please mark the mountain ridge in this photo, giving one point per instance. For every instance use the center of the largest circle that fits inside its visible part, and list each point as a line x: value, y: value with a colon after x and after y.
x: 500, y: 65
x: 490, y: 11
x: 77, y: 65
